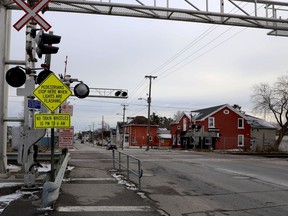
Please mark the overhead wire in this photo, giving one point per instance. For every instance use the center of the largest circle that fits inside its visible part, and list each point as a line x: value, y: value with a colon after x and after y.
x: 187, y: 47
x: 138, y: 91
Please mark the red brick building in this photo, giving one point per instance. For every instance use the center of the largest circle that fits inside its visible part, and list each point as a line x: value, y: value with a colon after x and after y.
x: 136, y: 132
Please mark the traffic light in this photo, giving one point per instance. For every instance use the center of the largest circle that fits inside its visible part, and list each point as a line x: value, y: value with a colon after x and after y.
x: 16, y: 77
x: 44, y: 43
x: 81, y: 90
x: 121, y: 93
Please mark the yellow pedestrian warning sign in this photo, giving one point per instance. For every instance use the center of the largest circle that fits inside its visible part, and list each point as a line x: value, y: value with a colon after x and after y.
x: 52, y: 92
x: 56, y: 120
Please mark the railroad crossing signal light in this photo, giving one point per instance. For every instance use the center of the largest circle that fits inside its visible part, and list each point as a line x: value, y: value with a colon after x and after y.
x: 16, y: 77
x: 81, y: 90
x: 42, y: 76
x: 121, y: 93
x: 44, y: 43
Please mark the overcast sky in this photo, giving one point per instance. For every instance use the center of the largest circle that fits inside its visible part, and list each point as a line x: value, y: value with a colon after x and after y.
x: 197, y: 65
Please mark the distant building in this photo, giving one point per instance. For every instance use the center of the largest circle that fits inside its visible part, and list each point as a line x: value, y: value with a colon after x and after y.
x: 136, y: 132
x: 164, y: 138
x: 263, y: 133
x: 181, y: 137
x: 221, y: 127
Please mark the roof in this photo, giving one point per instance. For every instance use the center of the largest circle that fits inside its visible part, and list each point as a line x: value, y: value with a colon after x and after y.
x: 140, y: 120
x: 259, y: 123
x: 207, y: 112
x: 176, y: 121
x: 164, y: 136
x: 204, y: 113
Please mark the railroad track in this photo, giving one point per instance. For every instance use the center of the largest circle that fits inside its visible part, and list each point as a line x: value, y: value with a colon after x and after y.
x: 42, y: 156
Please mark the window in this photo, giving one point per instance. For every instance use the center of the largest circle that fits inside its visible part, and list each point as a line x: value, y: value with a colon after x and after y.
x: 150, y: 138
x: 241, y: 140
x: 240, y: 123
x: 211, y: 122
x: 184, y: 124
x: 208, y: 141
x: 226, y: 112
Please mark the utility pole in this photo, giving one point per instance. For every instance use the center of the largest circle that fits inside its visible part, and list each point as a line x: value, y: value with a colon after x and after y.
x: 149, y: 104
x: 123, y: 122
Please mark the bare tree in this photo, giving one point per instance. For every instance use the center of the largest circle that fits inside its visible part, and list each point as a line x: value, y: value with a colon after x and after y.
x: 273, y: 98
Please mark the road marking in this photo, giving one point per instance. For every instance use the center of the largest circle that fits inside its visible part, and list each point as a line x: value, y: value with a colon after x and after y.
x: 103, y: 208
x: 93, y: 179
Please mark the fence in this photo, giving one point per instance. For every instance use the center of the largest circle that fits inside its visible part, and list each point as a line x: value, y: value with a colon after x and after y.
x: 128, y: 165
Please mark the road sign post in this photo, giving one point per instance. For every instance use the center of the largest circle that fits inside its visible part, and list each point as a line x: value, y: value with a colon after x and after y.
x: 52, y: 93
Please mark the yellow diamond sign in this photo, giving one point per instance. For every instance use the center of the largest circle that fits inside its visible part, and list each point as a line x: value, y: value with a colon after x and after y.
x: 52, y: 92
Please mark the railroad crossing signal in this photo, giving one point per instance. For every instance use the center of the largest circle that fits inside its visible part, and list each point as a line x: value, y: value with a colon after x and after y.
x: 16, y: 77
x: 31, y: 13
x: 44, y: 43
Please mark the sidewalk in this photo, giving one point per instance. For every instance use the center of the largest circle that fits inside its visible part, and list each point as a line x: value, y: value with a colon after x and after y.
x: 89, y: 189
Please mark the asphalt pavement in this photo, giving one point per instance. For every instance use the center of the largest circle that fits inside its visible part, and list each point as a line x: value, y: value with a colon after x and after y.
x: 91, y: 187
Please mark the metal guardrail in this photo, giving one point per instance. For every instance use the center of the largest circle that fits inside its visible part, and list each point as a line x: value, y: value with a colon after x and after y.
x: 127, y: 165
x: 50, y: 191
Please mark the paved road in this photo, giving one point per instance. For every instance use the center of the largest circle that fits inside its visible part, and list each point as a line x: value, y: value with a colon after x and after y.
x: 90, y: 188
x: 175, y: 183
x: 201, y: 184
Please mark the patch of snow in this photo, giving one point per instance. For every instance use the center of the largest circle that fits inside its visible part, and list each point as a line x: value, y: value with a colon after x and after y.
x: 44, y: 168
x: 121, y: 180
x: 70, y: 168
x: 13, y: 167
x: 9, y: 184
x: 5, y: 200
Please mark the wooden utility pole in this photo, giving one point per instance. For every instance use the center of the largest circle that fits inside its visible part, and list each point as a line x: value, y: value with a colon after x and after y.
x: 149, y: 105
x: 123, y: 122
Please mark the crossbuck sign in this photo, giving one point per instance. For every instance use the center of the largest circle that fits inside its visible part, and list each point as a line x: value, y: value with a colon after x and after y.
x: 31, y: 13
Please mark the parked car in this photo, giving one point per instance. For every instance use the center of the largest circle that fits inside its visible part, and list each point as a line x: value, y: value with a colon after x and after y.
x: 111, y: 146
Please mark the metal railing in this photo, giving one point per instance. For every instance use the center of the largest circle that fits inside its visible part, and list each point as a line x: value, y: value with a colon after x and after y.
x: 127, y: 165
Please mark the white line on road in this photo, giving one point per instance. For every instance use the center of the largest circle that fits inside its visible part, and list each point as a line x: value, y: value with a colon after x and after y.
x: 92, y: 179
x: 102, y: 208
